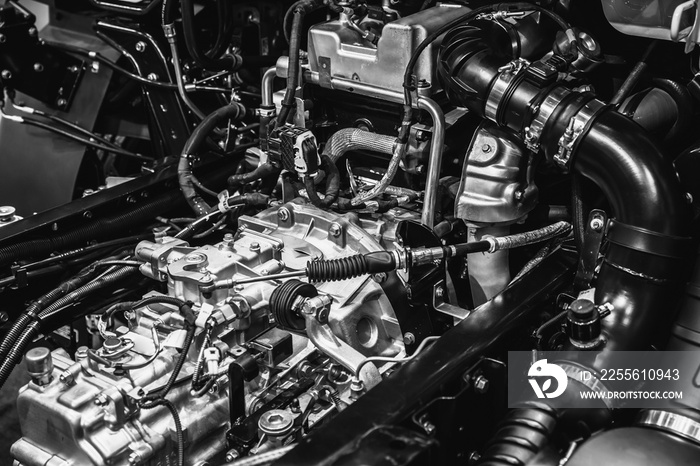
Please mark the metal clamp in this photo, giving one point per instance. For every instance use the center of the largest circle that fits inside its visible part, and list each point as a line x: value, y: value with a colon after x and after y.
x: 506, y: 76
x: 577, y: 126
x: 533, y: 132
x: 671, y: 422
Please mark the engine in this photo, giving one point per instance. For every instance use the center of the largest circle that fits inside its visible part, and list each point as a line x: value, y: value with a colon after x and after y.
x: 350, y: 232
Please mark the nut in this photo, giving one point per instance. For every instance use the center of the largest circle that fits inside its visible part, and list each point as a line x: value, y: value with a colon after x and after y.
x: 283, y: 214
x: 335, y: 230
x: 140, y: 46
x: 597, y: 223
x: 232, y: 454
x: 408, y: 338
x: 481, y: 385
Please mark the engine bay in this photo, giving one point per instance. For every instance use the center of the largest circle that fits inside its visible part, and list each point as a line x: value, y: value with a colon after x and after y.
x: 311, y: 233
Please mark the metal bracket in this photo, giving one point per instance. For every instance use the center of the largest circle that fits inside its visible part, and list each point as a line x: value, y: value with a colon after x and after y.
x: 588, y: 256
x: 440, y: 305
x: 324, y: 73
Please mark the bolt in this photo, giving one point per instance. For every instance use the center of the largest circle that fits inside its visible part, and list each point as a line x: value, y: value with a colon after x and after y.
x: 134, y: 458
x: 486, y: 148
x: 379, y: 277
x: 54, y: 226
x: 61, y: 102
x: 481, y: 385
x: 439, y: 292
x: 232, y: 454
x: 423, y: 83
x: 597, y: 223
x: 518, y: 195
x: 474, y: 457
x: 87, y: 214
x: 335, y: 230
x: 283, y: 214
x: 408, y: 338
x: 6, y: 74
x: 425, y: 423
x: 322, y: 315
x: 4, y: 317
x: 195, y: 258
x: 140, y: 46
x: 152, y: 77
x: 254, y: 246
x: 32, y: 31
x: 101, y: 400
x: 38, y: 67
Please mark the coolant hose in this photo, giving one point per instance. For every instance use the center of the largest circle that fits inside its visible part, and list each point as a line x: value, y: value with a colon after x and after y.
x: 234, y: 111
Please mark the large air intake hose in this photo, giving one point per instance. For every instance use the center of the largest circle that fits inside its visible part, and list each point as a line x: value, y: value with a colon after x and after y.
x: 646, y: 260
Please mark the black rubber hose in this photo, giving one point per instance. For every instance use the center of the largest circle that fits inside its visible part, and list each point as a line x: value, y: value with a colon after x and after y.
x: 228, y: 62
x: 289, y: 16
x: 93, y: 230
x: 168, y: 11
x: 521, y: 436
x: 684, y: 102
x: 646, y: 257
x: 294, y: 64
x: 234, y: 111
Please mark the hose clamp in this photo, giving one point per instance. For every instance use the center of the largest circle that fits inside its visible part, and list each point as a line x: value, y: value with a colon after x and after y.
x: 577, y: 126
x: 506, y: 77
x: 533, y: 133
x: 671, y: 422
x: 594, y: 384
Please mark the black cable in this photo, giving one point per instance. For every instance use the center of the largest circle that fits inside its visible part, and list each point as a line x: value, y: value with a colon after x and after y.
x: 180, y: 439
x: 87, y: 142
x: 140, y: 79
x: 18, y: 348
x: 88, y: 249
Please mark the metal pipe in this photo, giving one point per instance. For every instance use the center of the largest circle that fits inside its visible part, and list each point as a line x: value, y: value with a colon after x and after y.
x: 424, y: 103
x: 267, y: 86
x: 434, y: 161
x: 170, y: 34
